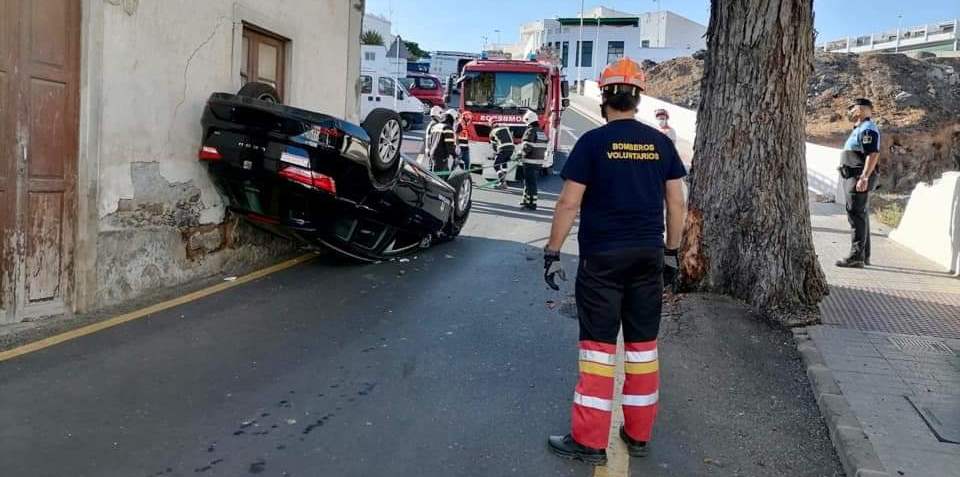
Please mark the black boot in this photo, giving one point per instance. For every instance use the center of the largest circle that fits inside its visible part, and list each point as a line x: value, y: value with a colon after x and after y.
x: 850, y: 262
x: 566, y: 447
x: 634, y: 448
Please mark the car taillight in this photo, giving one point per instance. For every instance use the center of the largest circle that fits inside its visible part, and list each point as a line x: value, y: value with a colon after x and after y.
x: 310, y: 179
x: 209, y: 153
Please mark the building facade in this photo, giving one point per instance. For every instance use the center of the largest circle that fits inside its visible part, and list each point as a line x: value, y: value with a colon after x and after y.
x: 608, y: 35
x: 938, y: 38
x: 102, y: 198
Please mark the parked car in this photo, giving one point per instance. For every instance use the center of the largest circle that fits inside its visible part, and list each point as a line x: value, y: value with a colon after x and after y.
x: 427, y: 88
x: 380, y: 90
x: 324, y: 181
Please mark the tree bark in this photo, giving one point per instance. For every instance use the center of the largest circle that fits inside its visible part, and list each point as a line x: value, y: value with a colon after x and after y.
x: 748, y: 232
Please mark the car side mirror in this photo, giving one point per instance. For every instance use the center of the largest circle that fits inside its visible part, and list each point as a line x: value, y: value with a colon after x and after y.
x: 400, y: 95
x: 564, y: 88
x: 565, y: 103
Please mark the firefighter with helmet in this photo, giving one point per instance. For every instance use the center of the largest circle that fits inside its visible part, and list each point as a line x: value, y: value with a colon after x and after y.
x: 436, y: 117
x: 663, y: 123
x: 533, y: 151
x: 501, y: 140
x: 442, y: 142
x: 618, y: 178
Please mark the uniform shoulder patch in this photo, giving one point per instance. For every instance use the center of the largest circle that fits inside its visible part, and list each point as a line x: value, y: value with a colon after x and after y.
x: 867, y: 138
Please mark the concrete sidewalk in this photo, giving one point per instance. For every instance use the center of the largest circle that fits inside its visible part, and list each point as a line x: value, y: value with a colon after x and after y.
x: 885, y: 364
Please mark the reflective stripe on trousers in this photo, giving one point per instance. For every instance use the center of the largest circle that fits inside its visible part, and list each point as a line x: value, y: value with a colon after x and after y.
x: 593, y: 398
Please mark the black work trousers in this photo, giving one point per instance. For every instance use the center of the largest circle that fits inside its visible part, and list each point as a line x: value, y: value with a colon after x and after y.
x: 858, y: 215
x: 531, y: 173
x: 620, y: 287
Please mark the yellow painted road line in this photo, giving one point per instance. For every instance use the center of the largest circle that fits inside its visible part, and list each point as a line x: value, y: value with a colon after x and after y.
x: 150, y: 310
x: 618, y: 460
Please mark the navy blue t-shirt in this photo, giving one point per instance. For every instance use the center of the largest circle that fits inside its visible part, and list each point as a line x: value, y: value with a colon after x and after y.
x: 625, y: 166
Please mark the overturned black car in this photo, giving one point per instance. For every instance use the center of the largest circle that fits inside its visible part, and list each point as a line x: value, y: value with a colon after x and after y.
x: 325, y: 181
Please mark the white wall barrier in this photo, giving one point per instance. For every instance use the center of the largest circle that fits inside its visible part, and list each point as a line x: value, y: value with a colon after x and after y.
x: 931, y: 223
x: 822, y: 176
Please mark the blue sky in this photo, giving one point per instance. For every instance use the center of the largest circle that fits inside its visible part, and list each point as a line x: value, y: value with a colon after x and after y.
x: 460, y: 24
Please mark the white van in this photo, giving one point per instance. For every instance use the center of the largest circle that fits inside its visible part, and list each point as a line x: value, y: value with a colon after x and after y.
x: 377, y: 91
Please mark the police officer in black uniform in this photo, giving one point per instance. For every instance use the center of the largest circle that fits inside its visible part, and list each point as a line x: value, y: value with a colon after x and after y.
x: 861, y: 153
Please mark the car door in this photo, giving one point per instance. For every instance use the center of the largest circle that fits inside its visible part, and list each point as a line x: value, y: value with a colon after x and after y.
x: 368, y: 97
x: 386, y: 88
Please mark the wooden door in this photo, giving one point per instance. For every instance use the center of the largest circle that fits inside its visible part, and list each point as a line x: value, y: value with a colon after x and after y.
x: 38, y: 170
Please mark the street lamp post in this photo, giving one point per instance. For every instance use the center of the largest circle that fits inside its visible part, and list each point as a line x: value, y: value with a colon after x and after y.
x: 596, y: 47
x: 498, y: 38
x: 896, y: 49
x: 576, y: 61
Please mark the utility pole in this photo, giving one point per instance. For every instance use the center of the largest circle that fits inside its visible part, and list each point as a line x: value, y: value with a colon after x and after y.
x: 396, y: 81
x: 596, y: 47
x: 576, y: 60
x: 896, y: 49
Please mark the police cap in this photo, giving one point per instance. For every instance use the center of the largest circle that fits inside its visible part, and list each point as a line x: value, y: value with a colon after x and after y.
x: 861, y: 102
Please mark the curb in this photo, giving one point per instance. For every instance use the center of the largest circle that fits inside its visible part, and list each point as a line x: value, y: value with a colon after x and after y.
x: 853, y: 446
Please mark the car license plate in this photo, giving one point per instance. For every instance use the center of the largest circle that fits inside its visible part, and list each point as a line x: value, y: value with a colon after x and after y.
x: 296, y: 157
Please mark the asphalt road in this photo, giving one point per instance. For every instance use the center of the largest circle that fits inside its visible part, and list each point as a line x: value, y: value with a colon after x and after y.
x: 449, y: 364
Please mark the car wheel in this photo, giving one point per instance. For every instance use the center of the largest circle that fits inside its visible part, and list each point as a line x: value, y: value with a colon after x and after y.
x: 261, y: 91
x: 462, y: 203
x: 385, y: 128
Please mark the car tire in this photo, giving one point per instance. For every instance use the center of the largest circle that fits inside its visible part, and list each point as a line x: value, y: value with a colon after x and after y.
x: 462, y: 183
x: 261, y: 91
x: 385, y: 129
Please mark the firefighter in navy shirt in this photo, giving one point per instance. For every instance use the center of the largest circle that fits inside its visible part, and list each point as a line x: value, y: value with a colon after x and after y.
x: 861, y: 153
x: 618, y: 177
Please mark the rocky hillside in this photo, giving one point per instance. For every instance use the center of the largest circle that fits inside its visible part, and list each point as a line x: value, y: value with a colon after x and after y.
x: 917, y: 106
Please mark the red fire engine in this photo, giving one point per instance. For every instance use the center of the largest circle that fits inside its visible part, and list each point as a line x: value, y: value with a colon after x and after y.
x: 502, y: 90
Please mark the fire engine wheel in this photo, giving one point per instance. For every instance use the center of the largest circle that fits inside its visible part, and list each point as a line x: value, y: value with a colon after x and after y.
x: 386, y: 137
x: 261, y: 91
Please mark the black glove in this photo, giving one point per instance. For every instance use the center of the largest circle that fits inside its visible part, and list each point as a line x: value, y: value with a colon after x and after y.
x: 671, y: 269
x: 552, y: 268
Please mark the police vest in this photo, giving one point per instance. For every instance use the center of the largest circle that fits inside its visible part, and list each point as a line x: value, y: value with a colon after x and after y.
x: 863, y: 141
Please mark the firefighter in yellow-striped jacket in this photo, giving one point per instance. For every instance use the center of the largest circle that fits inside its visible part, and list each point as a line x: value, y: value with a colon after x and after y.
x: 533, y: 151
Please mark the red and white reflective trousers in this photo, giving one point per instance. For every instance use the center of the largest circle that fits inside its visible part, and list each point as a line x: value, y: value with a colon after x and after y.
x: 593, y: 398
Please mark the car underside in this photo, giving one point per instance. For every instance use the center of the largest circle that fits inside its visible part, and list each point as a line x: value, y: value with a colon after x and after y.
x: 326, y: 182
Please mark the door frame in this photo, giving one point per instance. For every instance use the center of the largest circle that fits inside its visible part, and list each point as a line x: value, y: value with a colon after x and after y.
x: 88, y: 157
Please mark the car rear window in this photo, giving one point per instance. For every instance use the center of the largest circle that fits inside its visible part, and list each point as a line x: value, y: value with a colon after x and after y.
x: 428, y: 83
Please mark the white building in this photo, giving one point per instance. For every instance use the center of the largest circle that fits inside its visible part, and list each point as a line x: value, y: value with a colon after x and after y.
x: 609, y: 35
x: 379, y: 24
x: 102, y: 195
x: 940, y: 37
